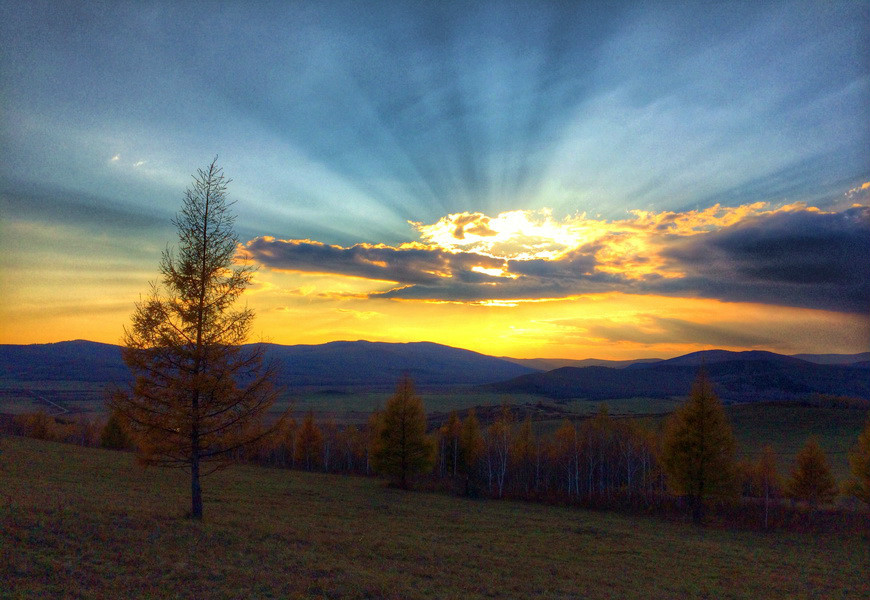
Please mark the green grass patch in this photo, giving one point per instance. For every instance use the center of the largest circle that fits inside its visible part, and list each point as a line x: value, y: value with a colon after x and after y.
x: 89, y: 523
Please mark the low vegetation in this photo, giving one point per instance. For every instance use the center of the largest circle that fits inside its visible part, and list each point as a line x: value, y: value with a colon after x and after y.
x: 90, y: 523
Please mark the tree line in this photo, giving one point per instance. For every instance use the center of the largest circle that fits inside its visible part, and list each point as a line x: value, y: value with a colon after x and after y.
x: 601, y: 461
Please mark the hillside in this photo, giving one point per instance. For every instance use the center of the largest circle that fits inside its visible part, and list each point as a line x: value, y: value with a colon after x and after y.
x: 90, y: 523
x: 737, y: 377
x: 358, y: 363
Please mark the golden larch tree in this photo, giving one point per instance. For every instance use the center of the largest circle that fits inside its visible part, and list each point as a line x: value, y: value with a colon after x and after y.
x: 698, y: 449
x: 470, y: 450
x: 811, y: 480
x: 198, y: 396
x: 401, y: 448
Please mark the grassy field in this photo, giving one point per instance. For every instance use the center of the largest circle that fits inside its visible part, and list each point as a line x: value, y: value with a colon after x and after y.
x: 88, y: 523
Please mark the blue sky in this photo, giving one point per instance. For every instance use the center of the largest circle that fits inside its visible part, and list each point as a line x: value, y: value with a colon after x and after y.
x: 340, y: 123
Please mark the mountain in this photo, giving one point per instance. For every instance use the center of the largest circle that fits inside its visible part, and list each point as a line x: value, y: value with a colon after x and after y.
x: 709, y: 357
x: 380, y: 363
x: 548, y: 364
x: 835, y: 359
x: 78, y: 360
x: 333, y: 364
x: 736, y: 376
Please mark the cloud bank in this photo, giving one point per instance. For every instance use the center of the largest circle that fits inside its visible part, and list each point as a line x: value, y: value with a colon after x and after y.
x: 791, y: 256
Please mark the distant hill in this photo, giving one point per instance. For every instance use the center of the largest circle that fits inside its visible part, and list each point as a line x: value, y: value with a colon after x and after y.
x: 334, y: 364
x: 78, y: 360
x: 737, y: 377
x: 548, y: 364
x: 364, y: 363
x: 835, y: 359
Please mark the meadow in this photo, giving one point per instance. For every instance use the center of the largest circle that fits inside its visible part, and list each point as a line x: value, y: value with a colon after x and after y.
x: 90, y: 523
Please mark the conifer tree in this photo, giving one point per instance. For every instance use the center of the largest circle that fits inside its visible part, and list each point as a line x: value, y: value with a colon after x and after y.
x: 197, y: 396
x: 470, y: 449
x: 402, y: 449
x: 449, y: 435
x: 523, y: 456
x: 768, y: 478
x: 309, y: 443
x: 859, y: 461
x: 698, y: 449
x: 113, y: 435
x: 811, y: 480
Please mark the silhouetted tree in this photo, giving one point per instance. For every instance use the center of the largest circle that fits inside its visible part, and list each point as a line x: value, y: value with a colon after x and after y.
x: 698, y: 449
x: 811, y: 480
x: 197, y: 396
x: 859, y: 461
x: 402, y: 449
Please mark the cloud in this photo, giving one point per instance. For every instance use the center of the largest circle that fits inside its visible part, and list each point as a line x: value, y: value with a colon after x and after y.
x: 409, y: 264
x: 793, y: 255
x: 797, y: 258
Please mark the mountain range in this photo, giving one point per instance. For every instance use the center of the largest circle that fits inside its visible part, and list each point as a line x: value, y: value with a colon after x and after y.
x: 737, y: 376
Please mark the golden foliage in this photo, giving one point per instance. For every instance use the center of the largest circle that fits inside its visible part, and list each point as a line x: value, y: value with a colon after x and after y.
x: 811, y: 479
x: 698, y: 448
x: 401, y: 448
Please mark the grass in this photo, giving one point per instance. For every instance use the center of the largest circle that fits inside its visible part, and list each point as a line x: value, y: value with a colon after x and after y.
x: 89, y: 523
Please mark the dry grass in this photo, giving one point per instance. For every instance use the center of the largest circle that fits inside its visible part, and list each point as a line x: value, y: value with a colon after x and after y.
x: 88, y: 523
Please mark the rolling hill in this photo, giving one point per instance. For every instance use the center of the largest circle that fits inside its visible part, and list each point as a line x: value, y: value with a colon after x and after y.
x: 357, y: 363
x: 737, y: 377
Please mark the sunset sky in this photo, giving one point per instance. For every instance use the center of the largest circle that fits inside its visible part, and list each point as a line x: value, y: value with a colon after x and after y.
x: 530, y: 179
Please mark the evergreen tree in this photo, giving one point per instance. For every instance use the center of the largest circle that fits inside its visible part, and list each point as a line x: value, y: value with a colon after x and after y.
x: 811, y: 479
x: 698, y: 449
x: 402, y: 449
x: 470, y: 449
x: 767, y: 478
x: 197, y: 395
x: 859, y: 461
x: 309, y: 443
x: 113, y: 434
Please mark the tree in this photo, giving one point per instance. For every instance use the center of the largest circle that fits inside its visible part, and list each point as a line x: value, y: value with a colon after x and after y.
x: 197, y: 395
x: 698, y: 448
x: 498, y: 445
x: 113, y: 434
x: 470, y: 450
x: 448, y: 438
x: 811, y: 479
x: 402, y: 449
x: 859, y: 461
x: 523, y: 456
x: 309, y: 443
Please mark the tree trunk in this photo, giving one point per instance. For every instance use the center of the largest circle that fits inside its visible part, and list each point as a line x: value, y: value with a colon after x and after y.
x: 195, y: 490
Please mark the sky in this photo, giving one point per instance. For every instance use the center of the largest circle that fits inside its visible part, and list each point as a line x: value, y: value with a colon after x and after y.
x: 527, y: 179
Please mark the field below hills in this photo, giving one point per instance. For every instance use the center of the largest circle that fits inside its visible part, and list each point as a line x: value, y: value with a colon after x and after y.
x: 89, y: 523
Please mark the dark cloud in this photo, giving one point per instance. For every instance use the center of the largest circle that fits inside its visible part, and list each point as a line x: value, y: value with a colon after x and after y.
x: 800, y: 258
x: 403, y: 265
x: 796, y: 258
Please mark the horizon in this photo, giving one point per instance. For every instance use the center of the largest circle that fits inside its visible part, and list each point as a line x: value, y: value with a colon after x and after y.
x: 588, y: 358
x: 564, y: 182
